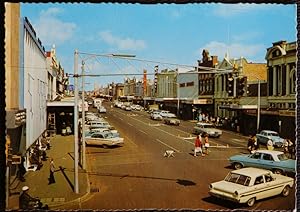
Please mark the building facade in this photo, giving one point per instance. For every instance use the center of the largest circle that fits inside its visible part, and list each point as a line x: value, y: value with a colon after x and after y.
x: 34, y: 75
x: 281, y: 74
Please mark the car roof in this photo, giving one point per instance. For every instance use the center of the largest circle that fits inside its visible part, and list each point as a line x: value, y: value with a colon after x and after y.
x: 269, y: 131
x: 273, y: 152
x: 250, y: 171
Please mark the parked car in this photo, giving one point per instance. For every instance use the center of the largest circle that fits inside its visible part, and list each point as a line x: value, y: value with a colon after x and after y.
x: 100, y: 124
x: 250, y: 184
x: 128, y: 108
x: 155, y: 115
x: 172, y: 120
x: 101, y: 109
x: 166, y: 114
x: 104, y: 139
x: 275, y: 161
x: 210, y: 129
x: 265, y: 135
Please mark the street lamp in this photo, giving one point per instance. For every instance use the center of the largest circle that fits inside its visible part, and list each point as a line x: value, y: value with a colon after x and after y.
x: 76, y: 147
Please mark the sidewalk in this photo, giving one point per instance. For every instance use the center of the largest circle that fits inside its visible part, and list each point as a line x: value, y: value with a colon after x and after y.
x: 61, y: 192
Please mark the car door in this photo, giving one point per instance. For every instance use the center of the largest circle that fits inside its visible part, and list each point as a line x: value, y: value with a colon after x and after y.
x: 259, y: 186
x: 254, y: 160
x: 267, y: 161
x: 272, y: 186
x: 265, y: 138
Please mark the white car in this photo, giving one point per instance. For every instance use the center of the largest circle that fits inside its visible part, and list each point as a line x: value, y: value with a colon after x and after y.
x: 210, y: 129
x: 250, y: 184
x: 101, y: 109
x: 100, y: 124
x: 155, y: 115
x: 104, y: 139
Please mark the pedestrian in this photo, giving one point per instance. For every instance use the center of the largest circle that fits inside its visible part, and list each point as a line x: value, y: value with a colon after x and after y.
x: 26, y: 201
x: 198, y: 146
x: 270, y: 145
x: 21, y: 169
x: 286, y: 147
x: 52, y: 169
x: 256, y: 144
x: 250, y: 144
x: 206, y: 143
x: 291, y: 149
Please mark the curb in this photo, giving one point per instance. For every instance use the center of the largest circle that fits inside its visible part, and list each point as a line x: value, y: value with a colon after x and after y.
x: 83, y: 198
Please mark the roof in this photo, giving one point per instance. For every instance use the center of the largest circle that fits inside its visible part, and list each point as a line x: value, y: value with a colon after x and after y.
x: 61, y: 104
x: 269, y: 151
x: 268, y: 131
x: 250, y: 171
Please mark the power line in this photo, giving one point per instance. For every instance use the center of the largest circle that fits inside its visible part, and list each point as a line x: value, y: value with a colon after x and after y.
x: 125, y: 57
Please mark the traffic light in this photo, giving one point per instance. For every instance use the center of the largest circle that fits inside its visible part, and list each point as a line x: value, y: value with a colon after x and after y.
x: 241, y: 86
x: 230, y: 84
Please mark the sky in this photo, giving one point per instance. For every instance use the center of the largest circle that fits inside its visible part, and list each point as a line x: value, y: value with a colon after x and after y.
x: 164, y: 33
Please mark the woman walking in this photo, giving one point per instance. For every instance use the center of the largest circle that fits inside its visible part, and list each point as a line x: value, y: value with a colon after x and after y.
x: 198, y: 146
x: 206, y: 143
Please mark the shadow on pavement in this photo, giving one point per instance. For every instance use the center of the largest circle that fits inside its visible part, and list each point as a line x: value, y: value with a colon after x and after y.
x: 121, y: 176
x: 223, y: 203
x: 62, y: 169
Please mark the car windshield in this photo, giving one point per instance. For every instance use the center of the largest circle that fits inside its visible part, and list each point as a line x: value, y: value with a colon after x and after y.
x: 274, y: 134
x: 238, y: 178
x: 282, y: 157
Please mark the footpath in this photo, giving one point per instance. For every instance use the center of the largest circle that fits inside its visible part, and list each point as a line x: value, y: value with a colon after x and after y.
x: 60, y: 193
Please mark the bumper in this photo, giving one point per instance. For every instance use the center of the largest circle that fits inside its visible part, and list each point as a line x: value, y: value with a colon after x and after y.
x: 224, y: 197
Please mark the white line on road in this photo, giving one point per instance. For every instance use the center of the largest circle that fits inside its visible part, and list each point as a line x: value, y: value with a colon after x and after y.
x: 167, y: 145
x: 130, y: 124
x: 143, y: 132
x: 121, y: 118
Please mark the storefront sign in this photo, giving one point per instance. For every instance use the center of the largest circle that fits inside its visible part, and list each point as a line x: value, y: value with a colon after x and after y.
x: 202, y: 101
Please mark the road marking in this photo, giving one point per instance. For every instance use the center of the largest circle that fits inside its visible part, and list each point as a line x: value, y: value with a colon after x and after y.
x: 130, y: 124
x: 143, y: 132
x: 121, y: 118
x: 167, y: 145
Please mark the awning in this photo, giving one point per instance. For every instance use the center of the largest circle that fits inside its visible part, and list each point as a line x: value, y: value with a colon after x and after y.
x: 238, y: 107
x: 60, y: 104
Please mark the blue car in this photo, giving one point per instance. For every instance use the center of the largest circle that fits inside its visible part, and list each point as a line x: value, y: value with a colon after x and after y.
x: 276, y: 161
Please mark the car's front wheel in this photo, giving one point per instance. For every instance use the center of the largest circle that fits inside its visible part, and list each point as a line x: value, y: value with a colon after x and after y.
x: 251, y: 202
x: 237, y: 165
x: 286, y: 191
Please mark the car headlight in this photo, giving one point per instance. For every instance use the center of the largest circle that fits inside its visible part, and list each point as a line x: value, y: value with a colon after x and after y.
x: 236, y: 193
x: 210, y: 186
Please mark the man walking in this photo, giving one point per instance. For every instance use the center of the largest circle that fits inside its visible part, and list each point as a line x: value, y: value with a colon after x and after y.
x: 52, y: 169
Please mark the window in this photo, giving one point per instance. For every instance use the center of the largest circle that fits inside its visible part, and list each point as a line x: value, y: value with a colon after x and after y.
x: 268, y: 157
x: 259, y: 180
x: 268, y: 178
x: 256, y: 155
x: 190, y: 84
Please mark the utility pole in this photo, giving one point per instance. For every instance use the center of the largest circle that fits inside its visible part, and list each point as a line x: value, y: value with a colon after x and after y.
x: 258, y: 106
x: 83, y: 121
x: 76, y: 122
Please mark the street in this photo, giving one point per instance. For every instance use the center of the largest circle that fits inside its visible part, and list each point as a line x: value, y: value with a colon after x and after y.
x: 137, y: 175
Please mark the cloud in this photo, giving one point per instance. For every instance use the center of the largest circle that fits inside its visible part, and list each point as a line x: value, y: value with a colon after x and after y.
x: 235, y: 50
x: 122, y: 43
x: 229, y: 10
x: 52, y: 30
